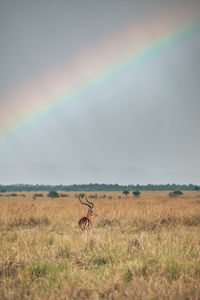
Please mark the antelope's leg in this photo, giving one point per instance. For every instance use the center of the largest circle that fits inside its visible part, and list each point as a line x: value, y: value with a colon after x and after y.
x: 84, y: 235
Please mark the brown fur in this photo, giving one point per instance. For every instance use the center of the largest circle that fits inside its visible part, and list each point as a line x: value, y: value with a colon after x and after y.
x: 85, y: 223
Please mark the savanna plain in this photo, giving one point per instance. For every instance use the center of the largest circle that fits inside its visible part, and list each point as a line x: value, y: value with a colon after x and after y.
x: 145, y: 247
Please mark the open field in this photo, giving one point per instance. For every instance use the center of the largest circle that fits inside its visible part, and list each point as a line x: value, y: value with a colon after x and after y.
x: 140, y: 248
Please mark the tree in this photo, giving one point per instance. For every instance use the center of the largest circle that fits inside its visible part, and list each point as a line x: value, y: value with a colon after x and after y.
x: 125, y: 192
x: 196, y: 188
x: 136, y: 193
x: 53, y: 194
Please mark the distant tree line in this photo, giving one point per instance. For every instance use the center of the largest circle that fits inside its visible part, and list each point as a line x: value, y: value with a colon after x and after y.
x: 97, y: 187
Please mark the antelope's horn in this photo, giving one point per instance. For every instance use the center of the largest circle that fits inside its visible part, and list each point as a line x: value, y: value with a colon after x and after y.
x: 92, y: 204
x: 83, y: 202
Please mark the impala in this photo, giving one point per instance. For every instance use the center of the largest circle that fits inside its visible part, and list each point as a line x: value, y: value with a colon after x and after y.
x: 85, y: 223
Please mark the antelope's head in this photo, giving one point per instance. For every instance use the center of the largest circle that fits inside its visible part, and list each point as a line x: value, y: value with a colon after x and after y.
x: 91, y: 209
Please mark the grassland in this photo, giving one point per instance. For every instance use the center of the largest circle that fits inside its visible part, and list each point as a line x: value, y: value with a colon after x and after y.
x: 140, y: 248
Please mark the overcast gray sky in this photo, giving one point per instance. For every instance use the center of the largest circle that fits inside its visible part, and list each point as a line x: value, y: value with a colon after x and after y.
x: 140, y: 127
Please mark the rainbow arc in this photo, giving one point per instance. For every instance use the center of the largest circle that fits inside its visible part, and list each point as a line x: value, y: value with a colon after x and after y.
x: 102, y: 63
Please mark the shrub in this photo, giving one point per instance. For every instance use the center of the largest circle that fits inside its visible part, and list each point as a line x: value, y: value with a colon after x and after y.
x: 82, y: 195
x: 64, y: 195
x: 175, y: 193
x: 12, y: 195
x: 38, y: 195
x: 125, y: 192
x: 95, y: 196
x: 136, y: 193
x: 103, y: 196
x: 53, y: 194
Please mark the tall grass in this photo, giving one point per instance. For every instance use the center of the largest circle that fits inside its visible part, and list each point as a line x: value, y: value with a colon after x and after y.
x: 140, y: 248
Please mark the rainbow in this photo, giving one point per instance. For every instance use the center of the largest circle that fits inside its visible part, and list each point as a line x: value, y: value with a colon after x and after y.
x: 100, y: 64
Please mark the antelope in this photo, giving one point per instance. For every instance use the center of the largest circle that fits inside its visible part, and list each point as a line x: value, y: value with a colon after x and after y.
x: 85, y: 223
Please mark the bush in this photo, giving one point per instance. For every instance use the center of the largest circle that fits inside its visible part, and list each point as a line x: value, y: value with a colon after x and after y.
x: 38, y: 195
x: 82, y: 195
x: 125, y: 192
x: 175, y: 194
x: 53, y: 194
x: 136, y: 193
x: 93, y: 196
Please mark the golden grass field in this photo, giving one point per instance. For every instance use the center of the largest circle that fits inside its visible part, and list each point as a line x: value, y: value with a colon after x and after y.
x: 140, y: 248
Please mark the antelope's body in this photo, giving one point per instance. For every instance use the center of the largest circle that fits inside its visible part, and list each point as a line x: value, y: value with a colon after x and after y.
x: 85, y: 223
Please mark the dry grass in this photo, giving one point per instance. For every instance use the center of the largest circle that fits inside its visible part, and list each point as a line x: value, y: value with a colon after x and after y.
x: 145, y: 248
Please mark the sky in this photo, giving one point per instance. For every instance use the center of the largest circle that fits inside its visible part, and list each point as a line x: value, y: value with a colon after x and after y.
x: 139, y: 124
